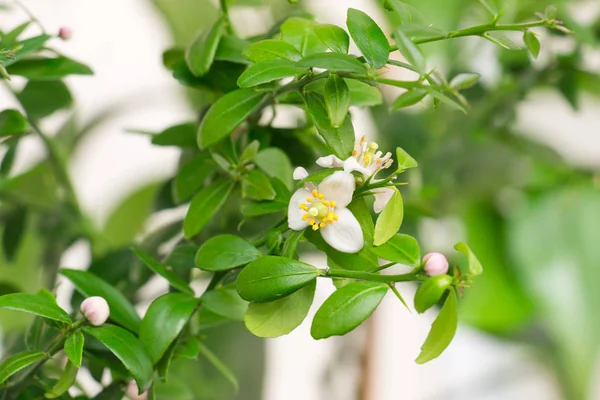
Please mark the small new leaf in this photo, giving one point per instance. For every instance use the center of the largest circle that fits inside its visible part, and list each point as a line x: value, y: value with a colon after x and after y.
x: 404, y: 160
x: 337, y: 99
x: 474, y: 266
x: 201, y: 53
x: 390, y: 220
x: 532, y: 43
x: 464, y: 81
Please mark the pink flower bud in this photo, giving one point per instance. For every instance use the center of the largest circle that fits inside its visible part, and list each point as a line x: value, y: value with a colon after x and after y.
x: 95, y: 310
x: 65, y: 33
x: 132, y: 392
x: 435, y: 264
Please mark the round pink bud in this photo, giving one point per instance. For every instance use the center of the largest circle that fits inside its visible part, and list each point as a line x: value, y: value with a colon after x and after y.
x: 435, y: 264
x: 65, y: 33
x: 95, y: 309
x: 132, y: 392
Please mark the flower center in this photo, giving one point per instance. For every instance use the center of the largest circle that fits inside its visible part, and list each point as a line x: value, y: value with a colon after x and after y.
x: 368, y: 156
x: 319, y: 211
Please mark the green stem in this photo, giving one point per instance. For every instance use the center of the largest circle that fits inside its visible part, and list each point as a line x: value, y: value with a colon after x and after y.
x: 368, y: 276
x: 225, y: 9
x: 385, y: 266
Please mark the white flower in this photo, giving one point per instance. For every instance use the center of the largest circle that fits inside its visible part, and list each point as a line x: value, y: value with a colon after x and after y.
x: 95, y: 309
x: 324, y: 209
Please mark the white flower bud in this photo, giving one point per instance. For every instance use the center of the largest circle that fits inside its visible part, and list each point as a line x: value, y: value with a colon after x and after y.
x: 435, y: 264
x: 132, y: 392
x: 299, y: 173
x: 65, y: 33
x: 95, y: 309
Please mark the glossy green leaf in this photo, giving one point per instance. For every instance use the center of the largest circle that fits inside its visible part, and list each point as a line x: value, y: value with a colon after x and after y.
x: 43, y: 98
x: 280, y: 317
x: 12, y: 122
x: 474, y: 267
x: 267, y: 71
x: 401, y: 248
x: 226, y: 114
x: 67, y: 379
x: 165, y: 319
x: 362, y: 94
x: 48, y: 68
x: 11, y: 37
x: 34, y: 304
x: 204, y: 205
x: 300, y: 32
x: 464, y: 81
x: 335, y: 38
x: 431, y: 291
x: 339, y: 140
x: 334, y: 62
x: 501, y: 40
x: 249, y: 152
x: 389, y: 220
x: 121, y: 310
x: 404, y: 160
x: 191, y: 177
x: 450, y: 101
x: 181, y: 135
x: 442, y: 331
x: 409, y: 50
x: 270, y: 278
x: 347, y: 308
x: 219, y: 365
x: 163, y: 270
x: 275, y: 163
x: 128, y: 349
x: 74, y: 348
x: 362, y: 212
x: 532, y: 43
x: 25, y: 48
x: 17, y: 362
x: 231, y: 49
x: 271, y: 49
x: 200, y: 54
x: 337, y: 100
x: 226, y: 302
x: 369, y: 37
x: 409, y: 98
x: 224, y: 252
x: 256, y: 185
x: 291, y: 244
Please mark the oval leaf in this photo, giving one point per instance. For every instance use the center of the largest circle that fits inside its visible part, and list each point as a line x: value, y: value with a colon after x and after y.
x: 128, y: 349
x: 334, y: 62
x: 404, y: 160
x: 270, y: 278
x: 224, y: 252
x: 300, y: 32
x: 226, y: 114
x: 266, y: 71
x: 347, y: 308
x: 204, y: 205
x: 271, y: 49
x: 409, y: 50
x: 201, y: 53
x: 48, y: 68
x: 464, y: 81
x: 121, y: 310
x: 66, y: 380
x: 12, y: 122
x: 74, y: 348
x: 409, y: 98
x: 369, y: 37
x: 337, y: 99
x: 431, y: 291
x: 164, y: 321
x: 256, y: 185
x: 34, y: 304
x: 334, y: 37
x: 17, y: 362
x: 164, y: 271
x: 442, y: 331
x: 532, y: 43
x: 275, y: 163
x: 225, y: 302
x: 403, y: 249
x: 390, y: 220
x: 475, y: 267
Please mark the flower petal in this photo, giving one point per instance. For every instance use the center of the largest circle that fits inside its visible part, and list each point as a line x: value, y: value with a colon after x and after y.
x: 295, y: 214
x: 351, y: 164
x: 338, y: 187
x: 345, y: 234
x: 382, y: 196
x: 300, y: 173
x: 329, y: 161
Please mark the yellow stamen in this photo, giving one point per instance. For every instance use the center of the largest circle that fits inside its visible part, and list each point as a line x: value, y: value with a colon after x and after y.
x: 315, y: 193
x: 362, y: 139
x: 326, y: 203
x: 321, y: 196
x: 332, y: 203
x: 315, y: 227
x: 354, y: 153
x: 312, y: 221
x: 309, y: 199
x: 305, y: 217
x: 322, y: 224
x: 303, y: 207
x: 367, y: 159
x: 335, y: 217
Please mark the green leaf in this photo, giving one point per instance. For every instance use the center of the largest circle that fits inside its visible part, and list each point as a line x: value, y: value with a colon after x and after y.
x: 291, y: 244
x: 225, y: 252
x: 271, y: 49
x: 266, y: 71
x: 405, y: 161
x: 66, y: 380
x: 409, y: 50
x: 501, y: 40
x: 225, y: 302
x: 231, y: 49
x: 275, y: 163
x: 409, y: 98
x: 43, y: 98
x: 439, y: 96
x: 26, y: 47
x: 339, y: 140
x: 14, y: 228
x: 191, y: 177
x: 369, y: 37
x: 300, y: 32
x: 362, y: 94
x: 347, y: 308
x: 48, y: 68
x: 335, y: 38
x: 389, y: 220
x: 74, y: 348
x: 34, y: 304
x: 431, y: 291
x: 362, y: 212
x: 17, y: 362
x: 532, y: 43
x: 401, y: 248
x: 474, y: 267
x: 280, y: 317
x: 249, y: 152
x: 337, y: 100
x: 256, y: 185
x: 121, y: 310
x: 128, y: 349
x: 218, y: 364
x: 200, y: 54
x: 464, y: 81
x: 270, y: 278
x: 12, y: 122
x: 8, y: 39
x: 182, y: 135
x: 164, y: 271
x: 165, y: 319
x: 442, y: 331
x: 204, y: 205
x: 226, y: 114
x: 334, y: 62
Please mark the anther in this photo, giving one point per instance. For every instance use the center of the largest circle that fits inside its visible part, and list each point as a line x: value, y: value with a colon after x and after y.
x: 332, y: 203
x: 321, y: 196
x: 326, y: 203
x: 309, y: 199
x: 373, y: 146
x: 315, y: 193
x: 305, y: 217
x: 315, y: 227
x: 312, y: 221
